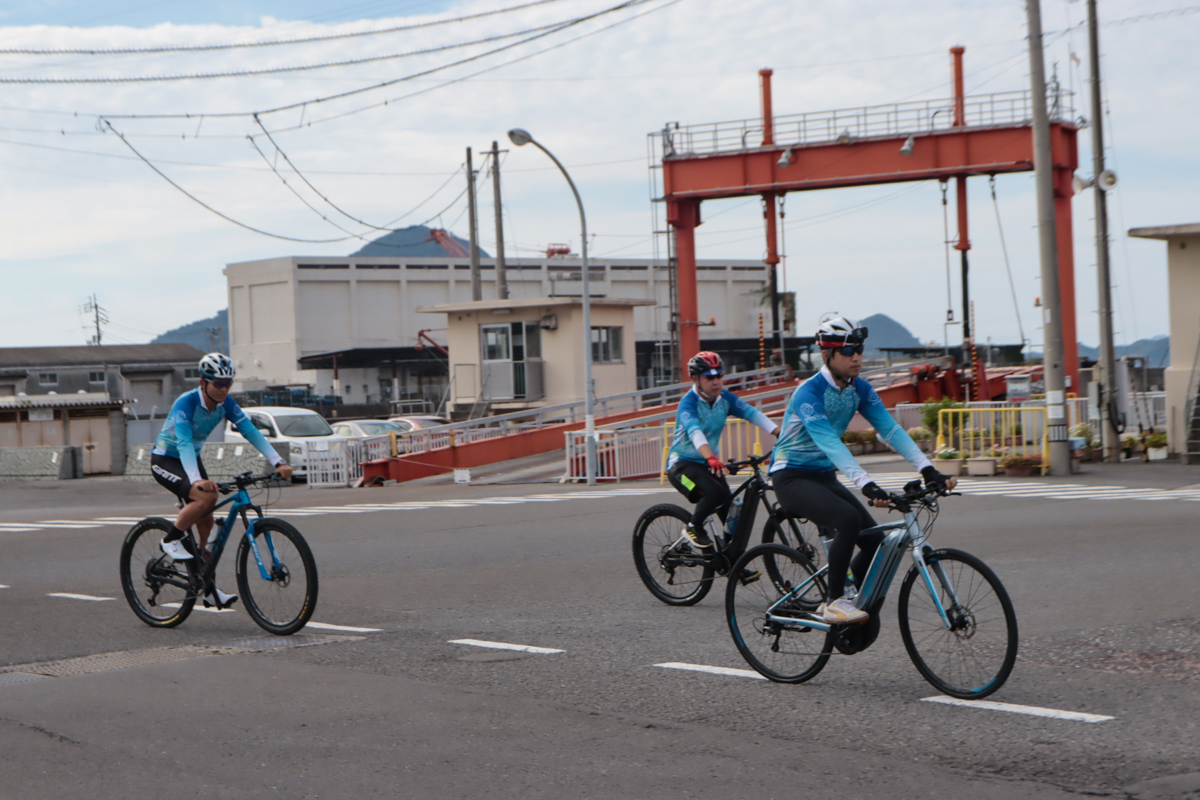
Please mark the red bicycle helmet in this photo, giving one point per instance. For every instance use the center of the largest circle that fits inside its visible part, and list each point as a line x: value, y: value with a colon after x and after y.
x: 706, y: 362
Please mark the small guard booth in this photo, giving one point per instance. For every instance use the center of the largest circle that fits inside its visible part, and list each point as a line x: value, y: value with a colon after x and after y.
x: 511, y: 355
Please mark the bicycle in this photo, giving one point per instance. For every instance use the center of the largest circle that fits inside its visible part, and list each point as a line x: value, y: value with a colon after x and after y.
x: 279, y: 591
x: 956, y: 619
x: 672, y: 567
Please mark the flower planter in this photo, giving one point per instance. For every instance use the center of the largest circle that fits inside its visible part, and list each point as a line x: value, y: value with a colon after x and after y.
x: 1156, y: 453
x: 949, y: 466
x: 1019, y: 472
x: 981, y: 466
x: 925, y: 445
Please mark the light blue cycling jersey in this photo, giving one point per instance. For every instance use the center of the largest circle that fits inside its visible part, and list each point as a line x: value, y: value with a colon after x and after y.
x: 810, y: 437
x: 698, y: 423
x: 189, y: 424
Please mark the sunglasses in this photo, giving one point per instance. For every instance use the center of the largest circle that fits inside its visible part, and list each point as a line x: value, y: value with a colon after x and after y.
x: 221, y: 384
x: 848, y: 349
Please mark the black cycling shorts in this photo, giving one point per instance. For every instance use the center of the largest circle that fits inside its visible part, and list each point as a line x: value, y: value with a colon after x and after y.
x: 171, y: 475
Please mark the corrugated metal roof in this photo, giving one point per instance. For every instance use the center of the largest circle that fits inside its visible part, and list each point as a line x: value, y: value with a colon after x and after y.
x: 59, y: 401
x: 87, y: 355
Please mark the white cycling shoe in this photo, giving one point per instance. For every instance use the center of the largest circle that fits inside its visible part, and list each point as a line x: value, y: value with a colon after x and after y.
x: 176, y: 550
x: 219, y: 599
x: 841, y: 612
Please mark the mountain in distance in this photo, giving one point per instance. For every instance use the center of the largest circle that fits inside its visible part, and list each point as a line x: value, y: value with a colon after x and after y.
x: 209, y: 335
x: 1156, y: 350
x: 883, y: 331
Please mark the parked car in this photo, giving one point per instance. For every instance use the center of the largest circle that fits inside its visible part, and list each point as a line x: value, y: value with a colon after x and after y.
x: 365, y: 427
x: 295, y: 426
x: 419, y: 423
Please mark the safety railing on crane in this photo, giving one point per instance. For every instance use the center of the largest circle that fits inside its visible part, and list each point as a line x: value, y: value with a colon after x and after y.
x: 895, y: 119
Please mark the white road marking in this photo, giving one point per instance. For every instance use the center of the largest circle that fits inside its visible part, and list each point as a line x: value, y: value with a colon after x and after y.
x: 736, y: 673
x: 1034, y: 711
x: 524, y: 648
x: 70, y: 596
x: 200, y: 607
x: 7, y: 529
x: 327, y: 627
x: 3, y: 586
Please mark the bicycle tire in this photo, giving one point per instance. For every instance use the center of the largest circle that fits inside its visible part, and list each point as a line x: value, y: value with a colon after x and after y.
x: 281, y: 604
x: 144, y: 568
x: 781, y: 652
x: 799, y: 534
x: 971, y: 661
x: 671, y: 569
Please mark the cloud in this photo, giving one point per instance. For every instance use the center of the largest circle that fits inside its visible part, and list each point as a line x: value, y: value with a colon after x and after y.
x: 79, y: 224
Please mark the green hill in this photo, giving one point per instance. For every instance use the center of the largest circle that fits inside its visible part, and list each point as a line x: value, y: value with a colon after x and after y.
x: 205, y: 334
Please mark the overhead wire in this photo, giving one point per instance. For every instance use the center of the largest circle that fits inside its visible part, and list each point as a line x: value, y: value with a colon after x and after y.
x: 196, y: 76
x: 383, y: 84
x: 268, y: 43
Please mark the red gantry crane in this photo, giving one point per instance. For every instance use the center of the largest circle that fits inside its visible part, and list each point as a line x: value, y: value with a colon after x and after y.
x: 914, y: 141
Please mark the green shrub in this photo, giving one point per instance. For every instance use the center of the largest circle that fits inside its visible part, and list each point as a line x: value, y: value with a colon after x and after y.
x: 1018, y: 461
x: 1157, y: 439
x: 920, y: 433
x: 931, y: 408
x: 1085, y: 431
x: 948, y: 454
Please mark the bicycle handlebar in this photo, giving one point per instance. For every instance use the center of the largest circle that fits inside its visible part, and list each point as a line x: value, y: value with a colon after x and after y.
x: 751, y: 461
x: 245, y: 480
x: 916, y: 492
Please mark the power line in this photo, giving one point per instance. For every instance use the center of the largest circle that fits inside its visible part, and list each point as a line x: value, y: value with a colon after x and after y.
x: 200, y: 202
x: 352, y: 92
x: 268, y: 43
x: 195, y: 76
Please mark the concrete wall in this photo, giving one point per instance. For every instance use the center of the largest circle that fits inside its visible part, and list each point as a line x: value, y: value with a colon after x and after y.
x: 40, y: 463
x: 1183, y: 282
x: 221, y: 460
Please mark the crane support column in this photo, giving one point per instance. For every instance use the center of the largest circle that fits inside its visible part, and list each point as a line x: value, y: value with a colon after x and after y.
x: 1063, y: 190
x: 684, y: 216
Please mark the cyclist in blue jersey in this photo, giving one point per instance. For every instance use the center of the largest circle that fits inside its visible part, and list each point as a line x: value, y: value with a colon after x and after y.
x: 810, y: 452
x: 176, y: 464
x: 693, y: 464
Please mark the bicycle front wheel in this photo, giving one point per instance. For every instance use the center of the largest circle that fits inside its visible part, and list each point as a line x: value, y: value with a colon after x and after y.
x: 787, y: 586
x: 969, y: 653
x: 666, y: 560
x: 283, y: 601
x: 156, y: 586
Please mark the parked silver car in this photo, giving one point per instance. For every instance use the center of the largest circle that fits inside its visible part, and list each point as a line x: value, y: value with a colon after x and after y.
x: 295, y: 426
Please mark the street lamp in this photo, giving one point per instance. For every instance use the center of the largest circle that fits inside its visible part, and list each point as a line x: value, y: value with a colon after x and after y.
x: 521, y: 137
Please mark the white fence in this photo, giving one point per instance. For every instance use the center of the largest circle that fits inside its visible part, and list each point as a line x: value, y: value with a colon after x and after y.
x: 333, y: 463
x: 620, y: 455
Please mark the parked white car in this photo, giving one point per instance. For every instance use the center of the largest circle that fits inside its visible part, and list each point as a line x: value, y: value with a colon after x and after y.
x: 295, y: 426
x: 365, y: 427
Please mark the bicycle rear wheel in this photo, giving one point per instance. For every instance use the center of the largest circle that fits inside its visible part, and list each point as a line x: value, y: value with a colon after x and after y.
x: 782, y: 651
x: 974, y: 656
x: 155, y: 584
x: 284, y: 602
x: 666, y: 560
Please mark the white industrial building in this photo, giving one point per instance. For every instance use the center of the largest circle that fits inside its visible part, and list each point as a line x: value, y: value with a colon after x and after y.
x: 349, y: 326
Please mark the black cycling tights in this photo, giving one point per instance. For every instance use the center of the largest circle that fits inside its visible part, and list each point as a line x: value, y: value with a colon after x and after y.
x: 821, y: 498
x: 707, y: 491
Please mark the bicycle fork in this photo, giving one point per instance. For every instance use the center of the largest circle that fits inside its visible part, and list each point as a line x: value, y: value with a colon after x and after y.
x: 920, y: 556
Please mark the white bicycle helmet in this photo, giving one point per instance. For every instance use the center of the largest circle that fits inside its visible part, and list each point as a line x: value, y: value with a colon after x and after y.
x: 217, y: 366
x: 840, y: 331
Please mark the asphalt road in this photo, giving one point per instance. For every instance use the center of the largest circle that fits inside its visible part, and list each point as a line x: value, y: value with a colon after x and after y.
x: 1105, y: 592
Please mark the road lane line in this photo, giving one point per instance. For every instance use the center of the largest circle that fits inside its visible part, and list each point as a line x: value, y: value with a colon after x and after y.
x: 70, y: 596
x: 736, y: 673
x: 524, y: 648
x: 4, y: 586
x: 327, y: 627
x: 1033, y: 711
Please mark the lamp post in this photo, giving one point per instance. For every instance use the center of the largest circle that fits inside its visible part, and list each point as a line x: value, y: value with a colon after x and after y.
x: 521, y: 137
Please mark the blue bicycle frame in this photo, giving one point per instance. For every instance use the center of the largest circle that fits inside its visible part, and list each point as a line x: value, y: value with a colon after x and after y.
x: 907, y: 534
x: 239, y: 503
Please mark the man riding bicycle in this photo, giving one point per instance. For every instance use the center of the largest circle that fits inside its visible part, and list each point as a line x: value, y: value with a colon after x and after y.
x: 176, y: 464
x: 693, y: 466
x: 810, y: 452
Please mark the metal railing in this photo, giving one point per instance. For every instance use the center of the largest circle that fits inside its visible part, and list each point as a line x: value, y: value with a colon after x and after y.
x: 458, y: 433
x: 995, y: 432
x: 333, y: 463
x: 895, y: 119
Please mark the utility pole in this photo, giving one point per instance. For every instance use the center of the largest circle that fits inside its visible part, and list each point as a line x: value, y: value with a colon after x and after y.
x: 98, y: 317
x: 1108, y: 434
x: 476, y: 280
x: 501, y: 267
x: 1053, y: 368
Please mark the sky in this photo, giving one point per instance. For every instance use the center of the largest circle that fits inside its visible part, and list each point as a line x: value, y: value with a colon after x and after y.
x: 104, y: 180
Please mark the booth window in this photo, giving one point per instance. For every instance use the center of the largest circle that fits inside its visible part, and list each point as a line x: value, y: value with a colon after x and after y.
x: 606, y: 345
